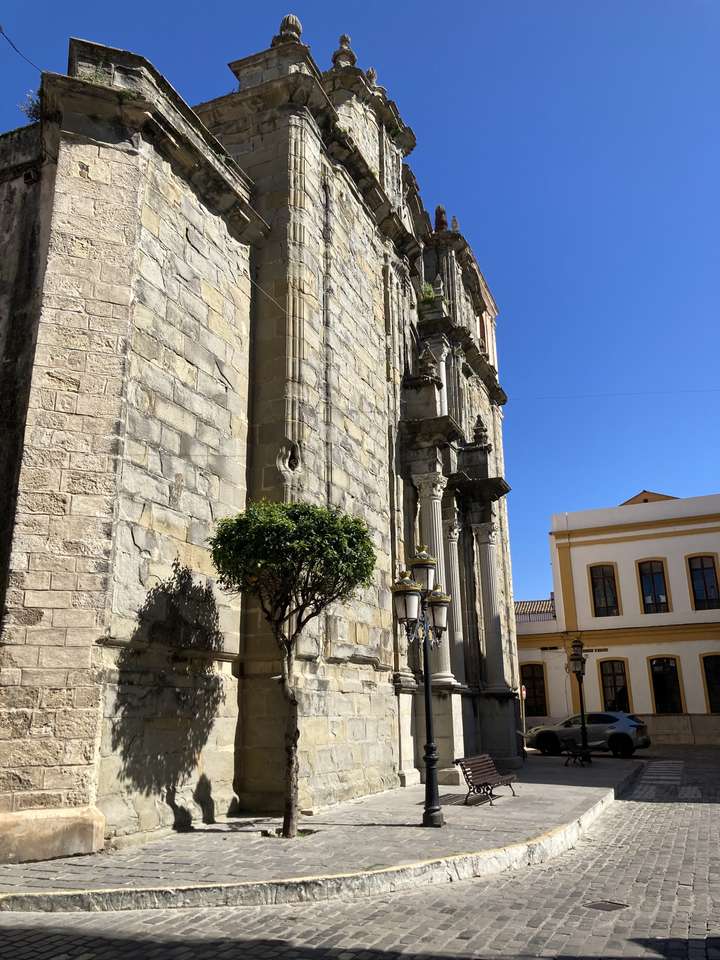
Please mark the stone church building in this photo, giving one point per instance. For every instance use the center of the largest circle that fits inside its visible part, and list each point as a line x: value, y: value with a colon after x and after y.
x: 201, y: 306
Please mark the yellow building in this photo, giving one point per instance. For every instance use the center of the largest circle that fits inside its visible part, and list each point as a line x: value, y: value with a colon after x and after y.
x: 638, y: 584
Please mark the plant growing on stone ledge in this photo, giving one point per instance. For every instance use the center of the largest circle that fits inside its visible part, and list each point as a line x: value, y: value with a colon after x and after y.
x: 427, y: 293
x: 296, y: 559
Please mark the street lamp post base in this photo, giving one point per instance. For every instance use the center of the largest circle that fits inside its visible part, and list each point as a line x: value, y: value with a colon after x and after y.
x: 433, y: 818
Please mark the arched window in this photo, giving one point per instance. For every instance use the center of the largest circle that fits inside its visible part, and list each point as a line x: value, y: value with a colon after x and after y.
x: 532, y: 676
x: 613, y: 678
x: 666, y: 685
x: 711, y: 671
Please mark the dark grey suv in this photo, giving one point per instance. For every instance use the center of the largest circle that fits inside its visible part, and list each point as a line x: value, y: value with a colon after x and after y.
x: 620, y: 733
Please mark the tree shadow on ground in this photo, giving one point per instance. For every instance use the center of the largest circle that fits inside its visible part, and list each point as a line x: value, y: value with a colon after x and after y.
x: 72, y: 941
x: 168, y: 694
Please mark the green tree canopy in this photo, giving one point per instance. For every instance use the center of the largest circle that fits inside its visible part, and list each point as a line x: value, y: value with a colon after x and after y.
x: 297, y: 559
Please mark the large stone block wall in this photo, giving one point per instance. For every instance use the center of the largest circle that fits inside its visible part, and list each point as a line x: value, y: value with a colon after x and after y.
x: 324, y: 260
x: 134, y: 445
x: 168, y: 738
x: 346, y: 380
x: 62, y: 543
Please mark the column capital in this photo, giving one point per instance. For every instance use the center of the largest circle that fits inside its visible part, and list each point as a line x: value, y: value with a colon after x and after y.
x: 452, y: 528
x: 485, y: 532
x: 430, y: 485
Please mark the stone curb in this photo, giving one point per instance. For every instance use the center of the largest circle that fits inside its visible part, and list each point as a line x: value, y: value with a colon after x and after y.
x: 254, y: 893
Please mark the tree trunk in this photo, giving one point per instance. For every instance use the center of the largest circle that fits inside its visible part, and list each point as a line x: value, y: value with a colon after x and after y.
x: 292, y: 736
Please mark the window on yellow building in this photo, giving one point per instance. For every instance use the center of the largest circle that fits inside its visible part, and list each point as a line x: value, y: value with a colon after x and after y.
x: 604, y: 590
x: 703, y: 577
x: 666, y: 685
x: 533, y: 679
x: 614, y: 685
x: 711, y: 666
x: 653, y: 587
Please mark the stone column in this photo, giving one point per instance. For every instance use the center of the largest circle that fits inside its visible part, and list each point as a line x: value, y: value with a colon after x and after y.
x: 430, y: 487
x: 485, y: 540
x: 455, y: 613
x: 498, y: 720
x: 440, y: 350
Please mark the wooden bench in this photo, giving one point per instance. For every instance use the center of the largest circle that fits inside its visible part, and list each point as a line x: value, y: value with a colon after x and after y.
x: 574, y: 753
x: 481, y: 776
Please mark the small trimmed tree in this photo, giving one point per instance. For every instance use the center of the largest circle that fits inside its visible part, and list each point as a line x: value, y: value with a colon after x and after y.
x: 296, y: 559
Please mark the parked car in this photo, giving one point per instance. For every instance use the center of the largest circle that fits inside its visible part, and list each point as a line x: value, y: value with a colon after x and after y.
x: 620, y: 733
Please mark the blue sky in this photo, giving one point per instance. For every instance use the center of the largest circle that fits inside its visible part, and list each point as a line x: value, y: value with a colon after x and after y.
x: 578, y: 144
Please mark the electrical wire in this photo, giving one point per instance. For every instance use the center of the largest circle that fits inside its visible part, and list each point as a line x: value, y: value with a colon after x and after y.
x: 604, y: 396
x: 18, y: 51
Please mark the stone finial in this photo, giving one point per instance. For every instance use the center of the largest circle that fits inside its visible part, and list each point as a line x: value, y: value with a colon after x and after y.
x: 480, y: 434
x: 427, y: 363
x: 440, y: 219
x: 344, y: 55
x: 454, y: 225
x: 438, y: 286
x: 371, y: 75
x: 290, y: 30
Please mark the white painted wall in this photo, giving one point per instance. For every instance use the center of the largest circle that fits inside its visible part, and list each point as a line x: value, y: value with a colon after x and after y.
x: 673, y: 541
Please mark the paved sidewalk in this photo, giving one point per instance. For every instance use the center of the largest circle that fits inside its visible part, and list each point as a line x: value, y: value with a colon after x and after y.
x: 658, y: 861
x: 363, y: 846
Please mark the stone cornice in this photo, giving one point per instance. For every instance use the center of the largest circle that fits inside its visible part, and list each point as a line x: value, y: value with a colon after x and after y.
x: 355, y: 81
x: 432, y: 430
x: 300, y: 90
x: 139, y: 98
x: 472, y: 274
x: 479, y: 489
x: 292, y: 51
x: 342, y: 148
x: 434, y: 318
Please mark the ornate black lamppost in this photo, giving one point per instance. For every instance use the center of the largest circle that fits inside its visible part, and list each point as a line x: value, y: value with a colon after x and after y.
x: 577, y: 666
x: 422, y: 608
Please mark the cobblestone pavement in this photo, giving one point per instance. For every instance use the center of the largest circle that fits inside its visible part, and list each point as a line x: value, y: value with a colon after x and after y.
x: 658, y: 860
x: 368, y: 834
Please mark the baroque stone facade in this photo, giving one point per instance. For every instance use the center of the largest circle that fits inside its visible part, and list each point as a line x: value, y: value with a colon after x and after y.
x: 198, y: 306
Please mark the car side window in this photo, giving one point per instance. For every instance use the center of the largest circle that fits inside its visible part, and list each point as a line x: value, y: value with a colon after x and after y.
x: 572, y: 722
x: 606, y: 718
x: 596, y: 718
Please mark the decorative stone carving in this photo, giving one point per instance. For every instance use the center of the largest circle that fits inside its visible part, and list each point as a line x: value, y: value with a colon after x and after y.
x: 344, y: 56
x: 371, y: 75
x: 452, y: 529
x: 438, y: 286
x: 430, y: 486
x: 441, y: 221
x: 290, y: 30
x: 288, y: 458
x: 454, y: 225
x: 480, y: 434
x: 427, y: 363
x: 485, y: 533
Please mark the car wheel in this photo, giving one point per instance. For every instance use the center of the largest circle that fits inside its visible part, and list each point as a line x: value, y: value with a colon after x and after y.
x: 621, y: 747
x: 548, y: 744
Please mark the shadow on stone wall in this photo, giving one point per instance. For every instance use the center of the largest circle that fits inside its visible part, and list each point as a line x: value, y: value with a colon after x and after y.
x: 168, y: 696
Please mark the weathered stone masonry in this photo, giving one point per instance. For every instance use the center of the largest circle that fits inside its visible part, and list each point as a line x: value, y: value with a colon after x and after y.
x: 197, y: 306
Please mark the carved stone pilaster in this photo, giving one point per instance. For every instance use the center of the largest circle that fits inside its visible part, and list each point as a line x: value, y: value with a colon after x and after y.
x: 486, y: 543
